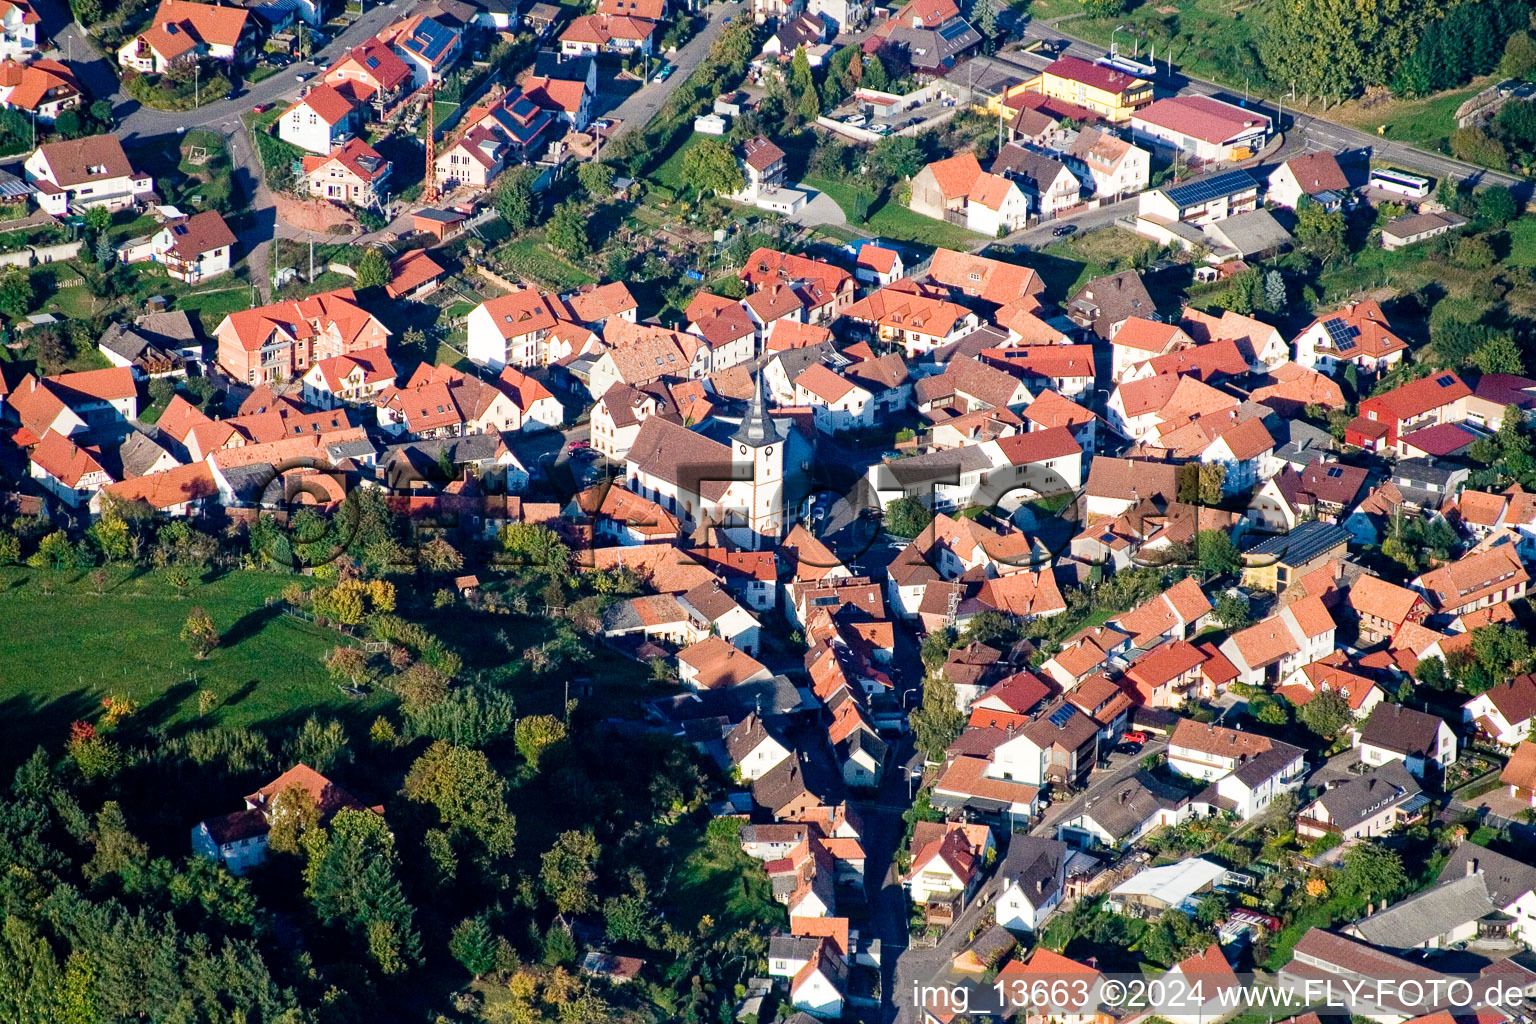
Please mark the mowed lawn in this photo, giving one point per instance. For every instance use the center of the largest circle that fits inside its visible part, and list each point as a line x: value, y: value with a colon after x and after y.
x: 61, y: 652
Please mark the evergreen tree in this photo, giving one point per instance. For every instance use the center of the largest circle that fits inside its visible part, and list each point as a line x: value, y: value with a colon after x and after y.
x: 473, y: 944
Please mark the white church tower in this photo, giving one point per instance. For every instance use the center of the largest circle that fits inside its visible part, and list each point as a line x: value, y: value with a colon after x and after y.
x: 757, y: 443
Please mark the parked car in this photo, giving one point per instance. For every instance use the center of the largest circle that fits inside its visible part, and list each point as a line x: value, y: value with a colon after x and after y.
x: 302, y: 76
x: 1064, y: 229
x: 1137, y: 738
x: 279, y: 60
x: 578, y: 446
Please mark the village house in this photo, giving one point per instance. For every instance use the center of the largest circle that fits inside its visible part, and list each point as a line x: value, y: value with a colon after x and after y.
x: 1105, y: 303
x: 354, y: 174
x: 283, y: 340
x: 429, y: 47
x: 75, y: 175
x: 323, y: 118
x: 1108, y: 166
x: 607, y: 33
x: 1315, y: 176
x: 1381, y: 608
x: 1047, y: 183
x: 1359, y: 808
x: 1111, y: 94
x: 1479, y: 579
x: 1384, y: 419
x: 18, y: 30
x: 1358, y: 334
x: 239, y: 840
x: 1503, y: 714
x: 1424, y: 743
x: 355, y: 378
x: 182, y: 31
x: 1272, y: 651
x: 43, y: 88
x: 192, y: 249
x: 373, y: 73
x: 1202, y: 128
x: 1031, y: 882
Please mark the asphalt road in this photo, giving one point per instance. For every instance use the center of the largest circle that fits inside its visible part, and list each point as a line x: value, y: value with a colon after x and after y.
x: 1306, y: 131
x: 640, y: 107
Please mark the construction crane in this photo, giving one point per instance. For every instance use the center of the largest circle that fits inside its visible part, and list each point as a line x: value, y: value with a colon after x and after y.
x: 429, y: 191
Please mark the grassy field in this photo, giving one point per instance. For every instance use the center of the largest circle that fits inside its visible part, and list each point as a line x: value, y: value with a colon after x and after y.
x: 1205, y: 38
x: 64, y: 647
x: 529, y: 257
x: 892, y: 220
x: 1522, y: 244
x: 670, y: 171
x: 1068, y: 264
x: 214, y: 304
x: 1426, y: 123
x: 723, y: 883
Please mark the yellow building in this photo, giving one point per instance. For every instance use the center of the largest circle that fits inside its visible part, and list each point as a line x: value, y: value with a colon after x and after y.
x: 1113, y: 95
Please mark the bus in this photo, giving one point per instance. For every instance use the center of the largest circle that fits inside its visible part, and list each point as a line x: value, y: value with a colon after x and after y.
x: 1390, y: 179
x: 1120, y: 62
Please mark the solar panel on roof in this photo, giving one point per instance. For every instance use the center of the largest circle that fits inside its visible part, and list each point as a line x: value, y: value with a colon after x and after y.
x: 1445, y: 381
x: 1203, y: 190
x: 1062, y: 715
x: 954, y: 30
x: 1340, y: 333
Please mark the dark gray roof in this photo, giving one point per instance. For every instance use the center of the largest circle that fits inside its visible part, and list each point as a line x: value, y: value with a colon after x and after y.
x: 1427, y: 915
x: 937, y: 467
x: 1210, y: 186
x: 1401, y: 730
x: 1265, y: 765
x: 792, y: 947
x: 138, y: 453
x: 1304, y: 543
x: 808, y: 772
x: 1507, y: 878
x: 361, y: 448
x: 1367, y: 796
x: 752, y: 732
x: 1028, y: 167
x: 1121, y: 807
x: 1424, y: 471
x: 1035, y: 865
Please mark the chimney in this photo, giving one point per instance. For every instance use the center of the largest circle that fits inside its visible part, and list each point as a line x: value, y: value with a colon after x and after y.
x: 1471, y: 866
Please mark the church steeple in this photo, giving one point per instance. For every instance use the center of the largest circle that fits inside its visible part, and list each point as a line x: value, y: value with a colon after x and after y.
x: 756, y: 428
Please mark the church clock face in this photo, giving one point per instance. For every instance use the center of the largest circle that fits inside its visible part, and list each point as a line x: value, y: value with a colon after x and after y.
x: 768, y: 450
x: 742, y: 449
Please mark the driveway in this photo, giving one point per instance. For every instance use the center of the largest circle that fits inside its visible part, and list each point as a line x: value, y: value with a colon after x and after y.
x: 639, y: 108
x: 820, y: 209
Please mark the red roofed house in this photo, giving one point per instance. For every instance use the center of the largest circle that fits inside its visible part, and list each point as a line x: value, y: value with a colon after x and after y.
x: 878, y: 265
x: 1438, y: 398
x: 354, y: 174
x: 283, y: 340
x: 948, y: 859
x: 373, y: 73
x: 1504, y: 713
x: 413, y: 275
x: 353, y: 378
x: 184, y: 31
x: 1311, y: 175
x: 69, y: 469
x: 567, y: 99
x: 1204, y: 128
x: 1356, y: 334
x: 322, y: 119
x: 239, y: 840
x: 44, y: 88
x: 192, y: 249
x: 1481, y: 578
x: 1111, y: 94
x: 605, y: 33
x: 179, y: 491
x: 942, y: 189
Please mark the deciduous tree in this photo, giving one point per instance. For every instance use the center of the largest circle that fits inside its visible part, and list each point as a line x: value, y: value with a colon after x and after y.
x: 199, y: 634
